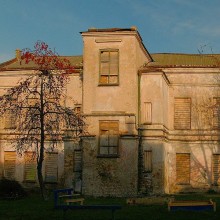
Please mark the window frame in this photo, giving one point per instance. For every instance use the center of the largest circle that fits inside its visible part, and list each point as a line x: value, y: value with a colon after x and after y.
x: 9, y: 120
x: 214, y: 182
x: 109, y: 61
x: 189, y: 179
x: 77, y: 167
x: 32, y: 163
x: 47, y: 154
x: 175, y: 118
x: 9, y: 164
x: 215, y: 121
x: 148, y: 161
x: 147, y: 113
x: 109, y: 155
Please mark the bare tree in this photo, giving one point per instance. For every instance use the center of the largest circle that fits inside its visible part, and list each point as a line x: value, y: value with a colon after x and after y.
x: 38, y: 103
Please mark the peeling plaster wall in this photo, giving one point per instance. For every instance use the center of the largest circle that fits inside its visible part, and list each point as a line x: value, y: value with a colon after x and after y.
x: 19, y: 168
x: 110, y: 176
x: 153, y: 183
x: 200, y: 166
x: 201, y: 141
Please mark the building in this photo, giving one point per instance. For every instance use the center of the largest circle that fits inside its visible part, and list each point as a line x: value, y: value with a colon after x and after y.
x: 153, y: 119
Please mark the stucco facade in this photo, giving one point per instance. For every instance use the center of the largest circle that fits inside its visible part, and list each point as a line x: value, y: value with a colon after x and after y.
x: 152, y: 119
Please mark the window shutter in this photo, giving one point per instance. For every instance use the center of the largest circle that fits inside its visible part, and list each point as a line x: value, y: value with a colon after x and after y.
x: 51, y: 167
x: 29, y: 167
x: 9, y: 164
x: 10, y: 119
x: 147, y: 113
x: 182, y: 113
x: 216, y: 113
x: 216, y: 169
x: 77, y: 160
x: 148, y: 161
x: 182, y: 168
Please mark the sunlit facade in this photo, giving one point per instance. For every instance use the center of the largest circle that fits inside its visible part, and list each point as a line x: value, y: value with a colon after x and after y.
x: 152, y: 121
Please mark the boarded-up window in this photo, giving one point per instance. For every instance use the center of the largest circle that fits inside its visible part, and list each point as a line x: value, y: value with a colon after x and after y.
x: 109, y: 67
x: 147, y: 116
x: 10, y: 116
x: 9, y: 164
x: 148, y: 161
x: 182, y: 113
x: 77, y: 161
x: 51, y: 167
x: 216, y: 113
x: 182, y: 168
x: 29, y: 167
x: 108, y: 142
x: 10, y: 120
x: 216, y: 169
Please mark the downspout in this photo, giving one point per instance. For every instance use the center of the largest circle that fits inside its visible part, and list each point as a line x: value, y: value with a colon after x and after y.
x: 82, y: 111
x: 140, y: 154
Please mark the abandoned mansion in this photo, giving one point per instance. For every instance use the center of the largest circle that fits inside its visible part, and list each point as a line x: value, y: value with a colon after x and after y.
x: 153, y: 120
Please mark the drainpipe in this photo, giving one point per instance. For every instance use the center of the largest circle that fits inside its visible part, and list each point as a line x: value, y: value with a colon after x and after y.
x: 140, y: 154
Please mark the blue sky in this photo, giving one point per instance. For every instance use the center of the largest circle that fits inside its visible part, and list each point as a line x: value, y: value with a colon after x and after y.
x: 168, y: 26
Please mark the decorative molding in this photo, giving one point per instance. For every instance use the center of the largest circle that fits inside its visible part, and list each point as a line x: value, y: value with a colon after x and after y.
x: 108, y: 40
x: 110, y: 113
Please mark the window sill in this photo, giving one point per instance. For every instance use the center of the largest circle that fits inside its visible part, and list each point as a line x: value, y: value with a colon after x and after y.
x: 183, y: 184
x: 29, y: 181
x: 109, y: 84
x: 51, y: 182
x: 108, y: 156
x: 147, y: 171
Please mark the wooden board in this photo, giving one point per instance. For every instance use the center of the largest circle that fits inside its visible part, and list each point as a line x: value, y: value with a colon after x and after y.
x: 192, y: 206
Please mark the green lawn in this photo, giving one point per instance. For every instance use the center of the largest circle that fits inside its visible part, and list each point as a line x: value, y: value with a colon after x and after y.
x: 32, y: 207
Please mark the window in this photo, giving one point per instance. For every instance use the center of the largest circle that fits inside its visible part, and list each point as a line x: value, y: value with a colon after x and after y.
x: 182, y: 113
x: 148, y: 161
x: 182, y: 168
x: 9, y: 164
x: 51, y: 167
x: 147, y: 113
x: 77, y: 161
x: 216, y: 113
x: 109, y: 67
x: 10, y: 119
x: 29, y: 167
x: 216, y: 169
x: 109, y: 131
x: 10, y: 116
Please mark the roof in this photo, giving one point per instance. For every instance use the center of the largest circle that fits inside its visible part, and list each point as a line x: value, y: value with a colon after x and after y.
x: 159, y: 60
x: 184, y: 60
x: 16, y: 63
x: 112, y: 29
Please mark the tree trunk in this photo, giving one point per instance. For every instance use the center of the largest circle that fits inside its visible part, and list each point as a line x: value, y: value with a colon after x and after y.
x: 40, y: 177
x: 42, y: 140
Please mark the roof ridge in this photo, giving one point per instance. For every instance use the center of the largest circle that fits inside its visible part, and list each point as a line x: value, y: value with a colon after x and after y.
x: 188, y: 54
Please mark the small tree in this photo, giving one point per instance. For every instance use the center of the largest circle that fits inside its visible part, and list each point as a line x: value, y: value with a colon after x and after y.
x: 38, y: 103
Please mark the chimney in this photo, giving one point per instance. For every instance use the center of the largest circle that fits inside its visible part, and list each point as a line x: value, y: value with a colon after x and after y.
x: 18, y: 54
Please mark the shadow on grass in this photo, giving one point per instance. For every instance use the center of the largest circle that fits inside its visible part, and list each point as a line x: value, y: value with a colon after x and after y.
x: 33, y: 207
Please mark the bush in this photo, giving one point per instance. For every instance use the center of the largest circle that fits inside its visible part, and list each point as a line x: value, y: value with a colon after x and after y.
x: 11, y: 189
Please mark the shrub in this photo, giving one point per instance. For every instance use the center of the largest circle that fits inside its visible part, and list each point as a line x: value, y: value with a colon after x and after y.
x: 11, y: 189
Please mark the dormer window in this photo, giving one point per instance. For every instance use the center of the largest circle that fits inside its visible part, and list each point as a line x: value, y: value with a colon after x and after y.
x: 109, y: 67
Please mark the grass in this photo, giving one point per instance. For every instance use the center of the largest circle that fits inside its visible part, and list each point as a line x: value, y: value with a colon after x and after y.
x: 33, y: 207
